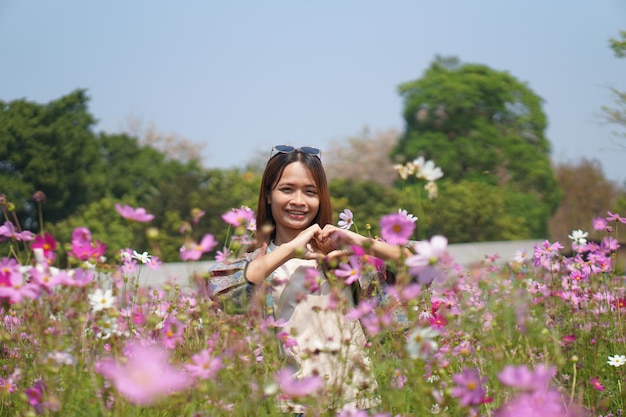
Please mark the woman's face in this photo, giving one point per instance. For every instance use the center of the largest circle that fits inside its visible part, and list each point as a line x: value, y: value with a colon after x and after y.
x: 294, y: 201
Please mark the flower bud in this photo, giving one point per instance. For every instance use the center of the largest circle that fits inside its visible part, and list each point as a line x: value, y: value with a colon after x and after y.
x: 39, y: 197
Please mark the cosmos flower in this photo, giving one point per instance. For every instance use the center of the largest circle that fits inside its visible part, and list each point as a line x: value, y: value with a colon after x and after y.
x: 346, y: 219
x: 134, y: 214
x: 396, y: 229
x: 145, y: 375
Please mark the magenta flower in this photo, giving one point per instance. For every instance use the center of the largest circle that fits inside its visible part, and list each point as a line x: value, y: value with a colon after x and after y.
x: 350, y: 272
x: 596, y: 384
x: 145, y: 375
x: 81, y: 234
x: 294, y: 388
x: 46, y: 243
x: 138, y: 215
x: 86, y: 251
x: 396, y: 229
x: 204, y: 365
x: 469, y: 388
x: 192, y: 251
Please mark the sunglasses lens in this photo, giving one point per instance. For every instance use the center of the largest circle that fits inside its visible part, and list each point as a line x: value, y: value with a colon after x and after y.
x: 284, y: 148
x: 310, y: 150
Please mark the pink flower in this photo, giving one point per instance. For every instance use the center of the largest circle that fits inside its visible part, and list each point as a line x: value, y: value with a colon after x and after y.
x: 145, y: 375
x: 172, y: 332
x: 423, y: 264
x: 9, y: 230
x: 469, y: 388
x: 596, y: 384
x: 615, y: 217
x: 137, y: 215
x: 294, y: 388
x: 396, y: 229
x: 12, y: 284
x: 599, y: 223
x: 237, y: 217
x: 350, y: 272
x: 193, y: 251
x: 78, y: 278
x: 223, y: 255
x: 547, y: 403
x: 45, y: 278
x: 523, y: 378
x: 84, y: 250
x: 204, y: 365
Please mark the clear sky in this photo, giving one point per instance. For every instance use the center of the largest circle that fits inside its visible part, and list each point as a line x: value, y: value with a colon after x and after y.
x: 240, y: 76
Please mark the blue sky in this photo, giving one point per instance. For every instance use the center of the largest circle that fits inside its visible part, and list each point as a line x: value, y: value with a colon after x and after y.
x: 240, y: 76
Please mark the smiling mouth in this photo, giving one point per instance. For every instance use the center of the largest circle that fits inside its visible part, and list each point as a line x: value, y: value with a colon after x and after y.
x: 296, y: 212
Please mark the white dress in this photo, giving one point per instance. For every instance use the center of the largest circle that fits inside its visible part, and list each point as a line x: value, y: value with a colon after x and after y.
x: 328, y: 345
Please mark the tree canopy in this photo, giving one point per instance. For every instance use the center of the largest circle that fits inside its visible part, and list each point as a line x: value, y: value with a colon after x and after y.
x: 481, y: 125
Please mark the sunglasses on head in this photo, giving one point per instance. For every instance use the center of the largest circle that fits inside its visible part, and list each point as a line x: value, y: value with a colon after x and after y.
x: 288, y: 149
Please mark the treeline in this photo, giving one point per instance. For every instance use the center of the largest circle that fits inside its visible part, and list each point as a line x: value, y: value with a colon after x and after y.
x: 484, y: 128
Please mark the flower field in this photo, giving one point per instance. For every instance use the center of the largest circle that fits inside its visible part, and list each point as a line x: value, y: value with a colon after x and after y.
x: 541, y: 336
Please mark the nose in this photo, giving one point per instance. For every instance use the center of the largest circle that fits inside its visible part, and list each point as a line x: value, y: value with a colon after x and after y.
x: 298, y: 198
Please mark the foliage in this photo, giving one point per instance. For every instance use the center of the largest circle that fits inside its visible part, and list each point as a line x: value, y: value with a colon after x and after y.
x: 483, y: 126
x: 470, y: 211
x: 49, y: 148
x: 481, y: 341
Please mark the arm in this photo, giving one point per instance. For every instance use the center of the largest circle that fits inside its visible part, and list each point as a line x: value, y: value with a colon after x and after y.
x: 377, y: 248
x: 262, y: 266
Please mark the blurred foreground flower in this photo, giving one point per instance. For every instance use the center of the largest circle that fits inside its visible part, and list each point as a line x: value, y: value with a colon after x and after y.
x: 192, y: 251
x: 297, y: 388
x: 396, y: 229
x: 145, y: 375
x: 138, y: 215
x: 469, y: 388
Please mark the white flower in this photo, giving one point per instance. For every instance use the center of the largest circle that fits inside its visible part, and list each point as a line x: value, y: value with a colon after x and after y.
x: 421, y: 343
x: 432, y: 190
x: 106, y: 326
x: 578, y: 236
x: 101, y: 300
x: 347, y: 219
x: 429, y: 171
x: 406, y: 214
x: 144, y: 258
x: 617, y: 360
x: 520, y: 256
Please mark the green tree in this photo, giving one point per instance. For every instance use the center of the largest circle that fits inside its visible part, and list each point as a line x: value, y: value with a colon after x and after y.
x: 51, y: 148
x: 481, y: 125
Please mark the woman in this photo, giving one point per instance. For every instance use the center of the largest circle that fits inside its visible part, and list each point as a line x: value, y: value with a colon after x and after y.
x: 294, y: 224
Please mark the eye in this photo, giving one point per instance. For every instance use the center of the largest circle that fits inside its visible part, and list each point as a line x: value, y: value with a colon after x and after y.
x: 311, y: 192
x: 285, y: 189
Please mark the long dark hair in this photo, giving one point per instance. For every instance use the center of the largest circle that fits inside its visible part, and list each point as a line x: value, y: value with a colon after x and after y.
x: 265, y: 224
